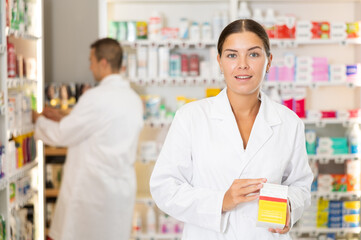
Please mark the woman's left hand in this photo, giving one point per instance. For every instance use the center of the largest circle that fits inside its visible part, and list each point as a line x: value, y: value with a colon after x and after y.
x: 286, y: 229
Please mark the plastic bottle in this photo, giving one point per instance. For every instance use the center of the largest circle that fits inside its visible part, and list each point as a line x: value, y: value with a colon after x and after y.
x: 354, y: 138
x: 194, y: 32
x: 257, y: 16
x: 151, y: 220
x: 217, y: 25
x: 270, y: 23
x: 243, y: 11
x: 155, y: 26
x: 206, y: 31
x: 137, y: 223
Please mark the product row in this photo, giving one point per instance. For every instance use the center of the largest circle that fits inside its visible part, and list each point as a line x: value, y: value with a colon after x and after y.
x: 22, y: 224
x: 22, y: 15
x: 64, y: 95
x: 277, y: 27
x: 20, y: 66
x: 20, y: 106
x: 334, y: 145
x: 2, y: 161
x: 21, y: 151
x: 305, y: 69
x: 334, y: 177
x: 155, y: 222
x: 20, y: 191
x: 163, y: 63
x: 331, y: 214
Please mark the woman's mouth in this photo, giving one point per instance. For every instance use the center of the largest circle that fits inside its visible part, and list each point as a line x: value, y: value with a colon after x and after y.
x: 243, y: 77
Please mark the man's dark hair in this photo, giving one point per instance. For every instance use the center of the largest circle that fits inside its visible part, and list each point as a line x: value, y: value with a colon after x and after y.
x: 110, y: 50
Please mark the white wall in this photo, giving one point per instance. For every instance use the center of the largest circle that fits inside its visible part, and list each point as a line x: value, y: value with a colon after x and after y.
x: 69, y: 29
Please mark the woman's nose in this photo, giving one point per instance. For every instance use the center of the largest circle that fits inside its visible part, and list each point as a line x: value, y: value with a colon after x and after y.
x: 242, y: 63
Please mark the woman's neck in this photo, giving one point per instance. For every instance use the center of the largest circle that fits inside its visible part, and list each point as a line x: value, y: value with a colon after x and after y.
x: 244, y: 105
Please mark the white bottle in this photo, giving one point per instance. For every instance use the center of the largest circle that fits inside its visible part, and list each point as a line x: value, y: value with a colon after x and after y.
x: 137, y: 223
x: 206, y: 31
x: 194, y: 31
x: 270, y: 23
x: 243, y: 11
x: 217, y: 25
x: 224, y: 19
x: 155, y: 26
x: 257, y: 16
x: 151, y: 220
x: 354, y: 138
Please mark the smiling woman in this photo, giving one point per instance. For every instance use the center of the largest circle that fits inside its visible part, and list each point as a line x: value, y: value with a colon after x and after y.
x: 219, y: 151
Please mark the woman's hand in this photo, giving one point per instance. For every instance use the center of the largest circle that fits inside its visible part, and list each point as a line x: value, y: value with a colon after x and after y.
x: 286, y: 229
x: 239, y: 191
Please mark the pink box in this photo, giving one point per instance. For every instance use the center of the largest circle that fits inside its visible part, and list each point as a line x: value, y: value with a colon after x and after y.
x: 272, y: 74
x: 286, y: 74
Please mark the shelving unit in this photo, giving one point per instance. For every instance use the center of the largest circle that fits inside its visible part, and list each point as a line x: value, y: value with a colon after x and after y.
x: 28, y: 177
x: 320, y: 96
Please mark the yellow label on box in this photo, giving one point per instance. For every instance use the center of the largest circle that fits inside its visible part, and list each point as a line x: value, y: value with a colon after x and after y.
x: 272, y: 211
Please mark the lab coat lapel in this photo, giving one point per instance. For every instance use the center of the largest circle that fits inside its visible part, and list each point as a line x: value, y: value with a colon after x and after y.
x: 262, y: 130
x: 223, y: 115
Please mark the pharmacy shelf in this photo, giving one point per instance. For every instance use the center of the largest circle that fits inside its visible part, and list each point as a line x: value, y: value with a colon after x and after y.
x: 3, y: 183
x: 2, y: 48
x: 313, y: 231
x: 171, y: 43
x: 21, y: 131
x: 282, y: 43
x: 19, y: 82
x: 341, y: 158
x: 156, y: 236
x: 157, y: 123
x: 51, y: 193
x: 2, y: 110
x: 19, y: 203
x: 337, y: 195
x: 325, y: 121
x: 179, y: 81
x: 23, y: 171
x: 296, y: 42
x: 144, y: 199
x: 291, y: 85
x: 55, y: 151
x: 20, y: 34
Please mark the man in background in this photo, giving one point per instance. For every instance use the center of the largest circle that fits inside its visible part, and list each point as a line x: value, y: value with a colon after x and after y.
x: 98, y: 187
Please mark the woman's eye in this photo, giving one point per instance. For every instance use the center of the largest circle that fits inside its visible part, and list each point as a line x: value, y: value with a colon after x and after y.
x: 231, y: 55
x: 254, y: 54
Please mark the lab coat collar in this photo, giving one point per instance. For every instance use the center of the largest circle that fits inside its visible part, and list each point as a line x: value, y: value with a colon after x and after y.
x: 222, y: 108
x: 114, y: 79
x: 261, y: 131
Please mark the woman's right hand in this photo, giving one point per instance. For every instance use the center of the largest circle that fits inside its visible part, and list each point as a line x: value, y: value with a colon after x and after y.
x: 239, y: 191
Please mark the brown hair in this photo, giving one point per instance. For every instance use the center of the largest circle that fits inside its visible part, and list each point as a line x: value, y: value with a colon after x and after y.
x: 244, y: 25
x: 110, y: 50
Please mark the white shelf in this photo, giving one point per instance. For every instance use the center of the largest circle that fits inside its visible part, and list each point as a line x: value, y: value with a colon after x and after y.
x: 296, y: 42
x: 337, y: 195
x: 171, y: 43
x: 3, y: 183
x: 23, y: 200
x: 156, y: 236
x: 179, y: 81
x: 313, y: 231
x: 19, y: 82
x: 325, y: 121
x: 21, y: 131
x: 2, y: 48
x: 2, y: 110
x: 283, y: 85
x: 20, y: 34
x: 20, y: 173
x: 157, y: 123
x: 324, y: 159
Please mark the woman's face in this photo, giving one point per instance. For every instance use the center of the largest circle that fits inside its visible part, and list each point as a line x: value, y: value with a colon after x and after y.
x: 244, y: 62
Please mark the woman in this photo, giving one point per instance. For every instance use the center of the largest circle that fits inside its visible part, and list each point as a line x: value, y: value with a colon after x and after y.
x: 220, y: 150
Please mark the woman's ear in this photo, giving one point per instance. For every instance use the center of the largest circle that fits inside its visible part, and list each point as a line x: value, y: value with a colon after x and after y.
x: 269, y: 62
x: 219, y: 62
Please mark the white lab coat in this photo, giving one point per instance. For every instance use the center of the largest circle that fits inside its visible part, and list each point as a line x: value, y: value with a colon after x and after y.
x: 203, y: 154
x: 98, y: 187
